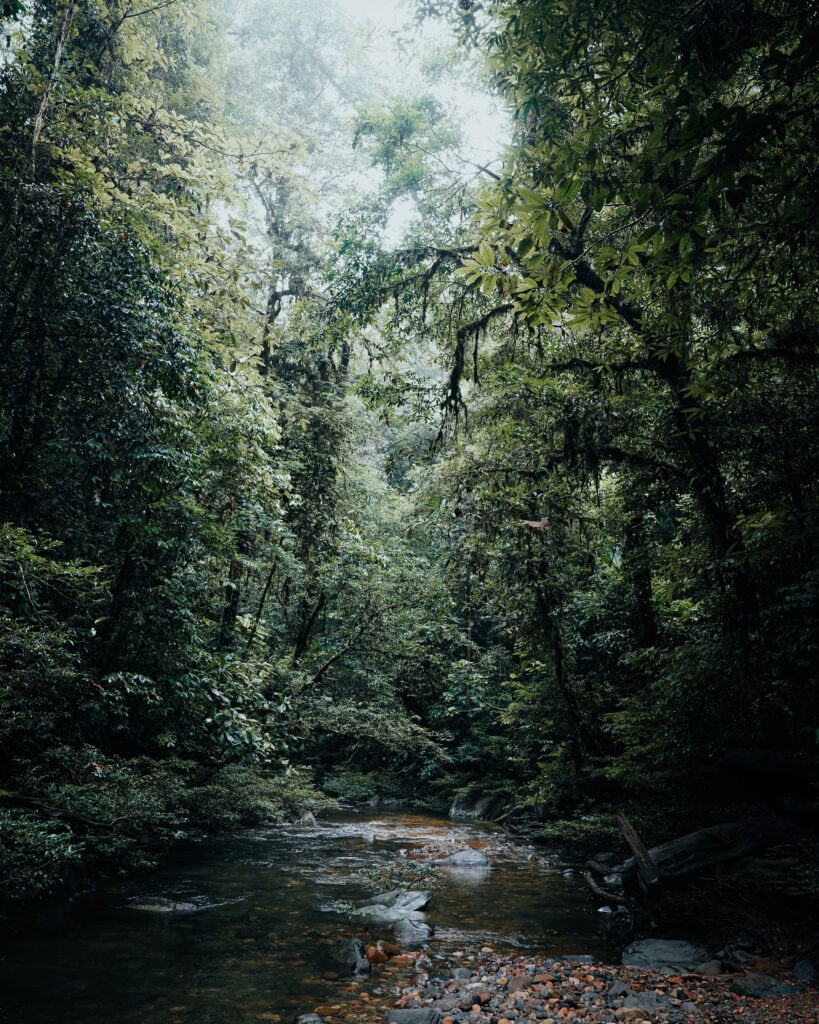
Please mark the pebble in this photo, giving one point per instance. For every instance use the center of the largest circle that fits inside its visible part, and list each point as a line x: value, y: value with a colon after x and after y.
x: 577, y: 990
x: 503, y: 989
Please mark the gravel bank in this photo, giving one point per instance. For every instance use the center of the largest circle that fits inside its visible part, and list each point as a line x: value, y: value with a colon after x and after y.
x: 499, y: 990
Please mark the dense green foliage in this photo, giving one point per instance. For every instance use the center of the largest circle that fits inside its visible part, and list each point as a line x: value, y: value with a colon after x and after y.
x: 630, y: 509
x: 527, y: 503
x: 189, y: 538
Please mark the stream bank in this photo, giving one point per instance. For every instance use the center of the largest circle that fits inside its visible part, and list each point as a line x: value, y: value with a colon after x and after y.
x: 577, y: 990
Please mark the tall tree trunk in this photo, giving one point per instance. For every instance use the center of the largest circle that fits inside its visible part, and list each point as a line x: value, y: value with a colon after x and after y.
x: 62, y: 37
x: 637, y: 564
x: 554, y: 635
x: 233, y: 592
x: 307, y: 621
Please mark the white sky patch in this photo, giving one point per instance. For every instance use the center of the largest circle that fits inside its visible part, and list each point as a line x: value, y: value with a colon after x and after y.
x: 484, y: 124
x: 382, y: 13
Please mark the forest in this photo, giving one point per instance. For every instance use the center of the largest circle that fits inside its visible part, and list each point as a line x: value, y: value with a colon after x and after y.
x: 337, y: 465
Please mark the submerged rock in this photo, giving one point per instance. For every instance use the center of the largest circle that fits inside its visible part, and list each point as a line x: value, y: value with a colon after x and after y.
x: 412, y: 933
x: 658, y: 954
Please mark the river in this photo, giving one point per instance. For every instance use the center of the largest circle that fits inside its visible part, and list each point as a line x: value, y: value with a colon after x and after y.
x: 238, y: 929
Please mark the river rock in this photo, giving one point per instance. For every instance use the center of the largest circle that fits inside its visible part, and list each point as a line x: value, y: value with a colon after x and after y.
x: 465, y: 859
x: 412, y: 1017
x: 386, y: 915
x: 154, y: 906
x: 362, y: 966
x: 395, y: 905
x: 659, y: 954
x: 760, y: 985
x: 481, y: 808
x: 412, y: 933
x: 347, y: 953
x: 805, y: 970
x: 309, y: 1018
x: 711, y: 968
x: 398, y: 899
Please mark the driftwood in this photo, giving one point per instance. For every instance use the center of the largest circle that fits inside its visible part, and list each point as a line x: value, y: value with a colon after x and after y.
x: 604, y: 894
x: 687, y: 855
x: 648, y: 874
x: 517, y: 811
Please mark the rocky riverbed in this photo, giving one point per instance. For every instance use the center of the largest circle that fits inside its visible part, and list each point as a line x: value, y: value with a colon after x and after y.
x: 493, y: 989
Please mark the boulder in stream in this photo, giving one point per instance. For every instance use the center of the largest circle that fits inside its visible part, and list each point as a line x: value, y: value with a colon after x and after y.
x: 386, y: 915
x: 386, y: 803
x: 481, y: 808
x: 465, y: 859
x: 347, y: 953
x: 396, y: 905
x: 398, y: 899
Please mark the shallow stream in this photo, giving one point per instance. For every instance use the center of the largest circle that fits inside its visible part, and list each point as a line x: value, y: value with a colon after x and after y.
x: 238, y: 929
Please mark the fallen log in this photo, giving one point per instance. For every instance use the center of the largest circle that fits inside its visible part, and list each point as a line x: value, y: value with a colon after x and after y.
x: 648, y: 874
x: 691, y: 854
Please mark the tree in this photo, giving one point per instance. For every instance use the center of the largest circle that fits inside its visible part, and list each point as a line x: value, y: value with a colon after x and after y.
x: 641, y: 278
x: 134, y: 447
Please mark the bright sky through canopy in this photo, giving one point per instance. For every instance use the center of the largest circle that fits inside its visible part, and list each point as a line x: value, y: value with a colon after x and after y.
x: 483, y: 122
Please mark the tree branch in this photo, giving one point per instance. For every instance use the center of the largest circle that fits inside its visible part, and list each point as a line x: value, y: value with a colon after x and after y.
x: 20, y: 800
